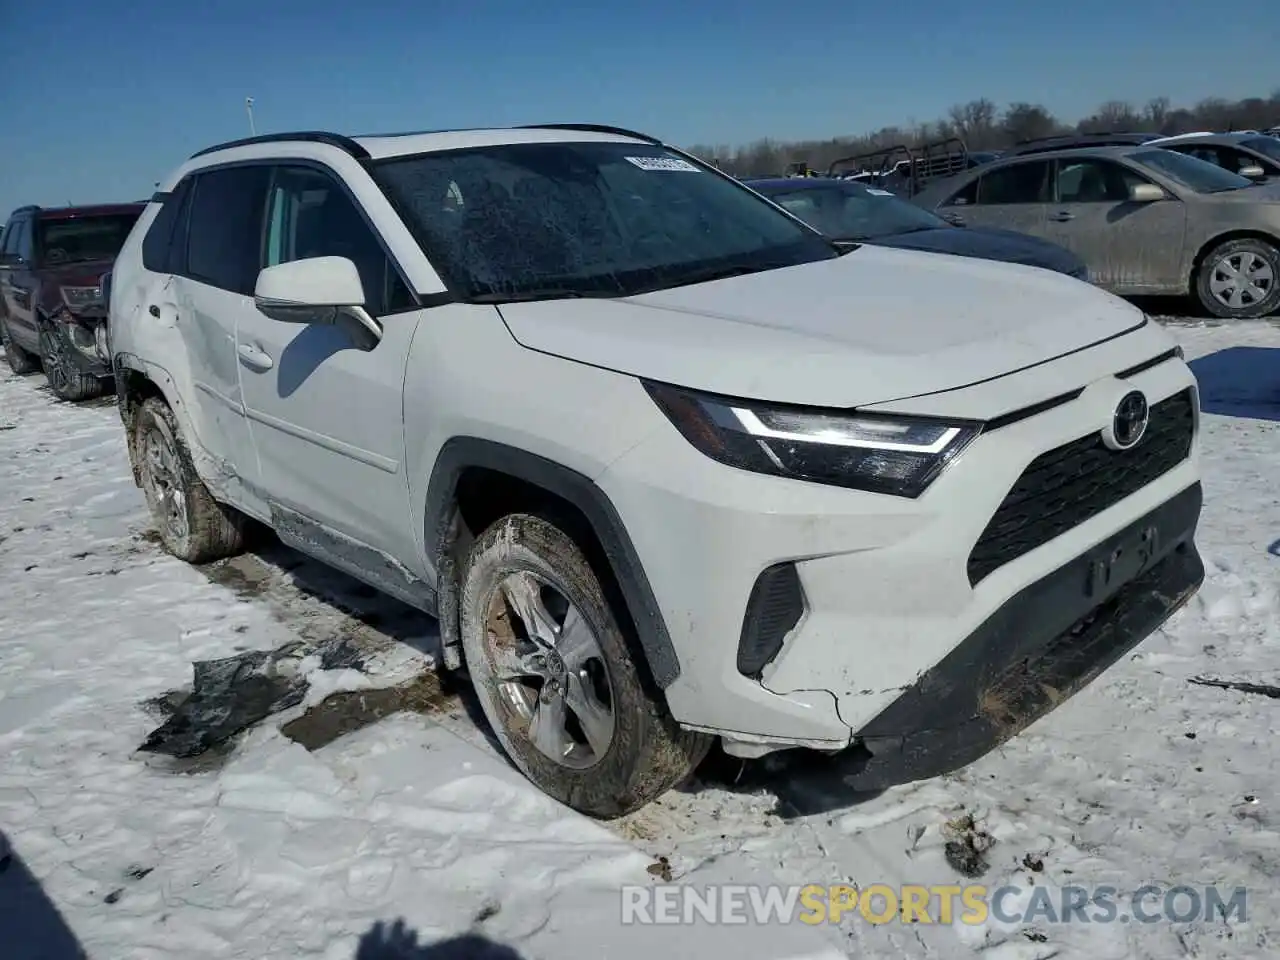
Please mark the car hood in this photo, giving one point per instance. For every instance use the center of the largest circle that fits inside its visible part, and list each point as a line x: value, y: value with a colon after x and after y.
x: 872, y: 326
x: 987, y: 244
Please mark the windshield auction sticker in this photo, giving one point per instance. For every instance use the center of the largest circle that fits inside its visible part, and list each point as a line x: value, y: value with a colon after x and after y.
x: 664, y: 163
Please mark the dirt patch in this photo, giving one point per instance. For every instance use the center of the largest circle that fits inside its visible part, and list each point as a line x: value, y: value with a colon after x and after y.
x: 342, y: 713
x: 245, y: 575
x: 967, y: 845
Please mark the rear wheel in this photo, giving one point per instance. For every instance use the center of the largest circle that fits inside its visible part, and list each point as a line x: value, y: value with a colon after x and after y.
x: 20, y: 361
x: 556, y: 678
x: 1237, y: 280
x: 65, y: 378
x: 193, y: 526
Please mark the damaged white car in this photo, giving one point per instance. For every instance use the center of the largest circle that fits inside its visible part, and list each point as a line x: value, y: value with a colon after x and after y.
x: 666, y: 464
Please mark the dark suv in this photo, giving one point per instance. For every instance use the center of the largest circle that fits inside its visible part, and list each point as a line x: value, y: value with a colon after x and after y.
x: 52, y: 312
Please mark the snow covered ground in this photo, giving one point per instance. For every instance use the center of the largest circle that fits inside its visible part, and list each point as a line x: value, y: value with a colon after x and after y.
x: 301, y: 847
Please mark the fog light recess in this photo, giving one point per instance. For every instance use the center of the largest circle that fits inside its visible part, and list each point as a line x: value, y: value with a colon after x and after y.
x: 775, y: 606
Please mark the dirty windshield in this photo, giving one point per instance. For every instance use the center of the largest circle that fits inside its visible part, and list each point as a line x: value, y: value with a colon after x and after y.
x: 81, y: 239
x: 551, y: 220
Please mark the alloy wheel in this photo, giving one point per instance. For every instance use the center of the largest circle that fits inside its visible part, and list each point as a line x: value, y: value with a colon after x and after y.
x: 162, y: 483
x: 57, y: 365
x: 548, y: 669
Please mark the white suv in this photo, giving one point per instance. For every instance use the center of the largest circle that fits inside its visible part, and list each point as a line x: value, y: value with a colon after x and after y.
x: 665, y: 463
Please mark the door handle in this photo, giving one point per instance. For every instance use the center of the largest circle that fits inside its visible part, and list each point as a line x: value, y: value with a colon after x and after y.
x: 1062, y: 216
x: 255, y: 358
x: 154, y: 311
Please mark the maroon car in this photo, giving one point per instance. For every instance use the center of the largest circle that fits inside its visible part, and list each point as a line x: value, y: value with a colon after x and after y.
x: 52, y: 312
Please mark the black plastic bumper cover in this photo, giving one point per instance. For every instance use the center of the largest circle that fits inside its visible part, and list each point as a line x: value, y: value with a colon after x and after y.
x: 1043, y: 645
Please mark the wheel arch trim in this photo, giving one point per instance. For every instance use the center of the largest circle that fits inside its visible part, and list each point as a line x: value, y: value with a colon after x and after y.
x: 441, y: 523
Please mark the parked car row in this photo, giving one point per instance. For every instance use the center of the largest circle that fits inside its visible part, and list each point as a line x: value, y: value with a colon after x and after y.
x: 667, y: 463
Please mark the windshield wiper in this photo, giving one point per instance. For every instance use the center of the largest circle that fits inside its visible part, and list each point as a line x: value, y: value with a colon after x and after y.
x: 544, y: 293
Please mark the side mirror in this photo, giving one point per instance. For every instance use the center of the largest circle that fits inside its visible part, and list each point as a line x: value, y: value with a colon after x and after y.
x: 1253, y: 172
x: 1145, y: 193
x: 315, y: 290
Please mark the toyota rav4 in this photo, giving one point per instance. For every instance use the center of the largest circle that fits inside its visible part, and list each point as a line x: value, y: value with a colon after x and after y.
x: 665, y: 463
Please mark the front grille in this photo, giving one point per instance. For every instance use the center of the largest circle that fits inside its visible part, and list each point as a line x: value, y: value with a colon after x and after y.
x: 1065, y: 487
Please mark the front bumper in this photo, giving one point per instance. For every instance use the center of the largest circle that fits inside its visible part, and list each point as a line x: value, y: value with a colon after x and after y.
x: 1043, y: 645
x: 889, y: 590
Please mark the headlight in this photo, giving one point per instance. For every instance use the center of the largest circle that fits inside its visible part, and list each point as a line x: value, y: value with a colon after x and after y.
x: 77, y: 298
x: 881, y: 454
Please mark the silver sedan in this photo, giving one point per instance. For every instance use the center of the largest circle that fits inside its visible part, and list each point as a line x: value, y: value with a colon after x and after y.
x: 1143, y: 219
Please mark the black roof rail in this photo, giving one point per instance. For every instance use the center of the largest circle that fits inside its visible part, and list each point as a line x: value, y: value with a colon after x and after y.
x: 595, y: 128
x: 1068, y: 141
x: 345, y: 144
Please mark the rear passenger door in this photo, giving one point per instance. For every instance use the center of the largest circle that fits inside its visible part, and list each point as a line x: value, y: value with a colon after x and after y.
x: 326, y: 406
x: 1010, y: 197
x: 1129, y: 247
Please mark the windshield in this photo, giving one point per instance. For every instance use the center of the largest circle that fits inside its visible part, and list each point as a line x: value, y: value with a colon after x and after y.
x: 1191, y: 172
x: 849, y: 211
x: 1267, y: 146
x: 549, y: 220
x: 81, y: 239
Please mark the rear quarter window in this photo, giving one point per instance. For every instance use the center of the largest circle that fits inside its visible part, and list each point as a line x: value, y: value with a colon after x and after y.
x: 158, y: 247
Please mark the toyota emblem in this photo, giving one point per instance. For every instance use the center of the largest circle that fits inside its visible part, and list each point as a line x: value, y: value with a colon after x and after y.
x: 1129, y: 422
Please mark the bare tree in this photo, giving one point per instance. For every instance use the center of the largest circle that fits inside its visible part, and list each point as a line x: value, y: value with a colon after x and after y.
x: 975, y: 123
x: 1027, y: 121
x: 1156, y: 114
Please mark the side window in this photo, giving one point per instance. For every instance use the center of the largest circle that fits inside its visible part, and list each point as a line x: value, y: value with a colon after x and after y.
x: 225, y: 227
x: 966, y: 196
x: 1094, y: 181
x: 1017, y: 183
x: 309, y: 214
x: 159, y: 253
x: 5, y: 236
x: 1235, y: 160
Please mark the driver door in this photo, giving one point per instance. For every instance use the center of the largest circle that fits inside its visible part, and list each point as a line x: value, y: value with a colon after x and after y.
x: 325, y: 407
x: 1129, y: 247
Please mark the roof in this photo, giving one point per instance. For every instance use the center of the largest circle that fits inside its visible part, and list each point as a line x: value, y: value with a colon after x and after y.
x: 380, y: 146
x: 1207, y: 138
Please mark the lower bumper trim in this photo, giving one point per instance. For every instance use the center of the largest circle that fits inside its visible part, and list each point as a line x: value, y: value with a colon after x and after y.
x: 1042, y: 646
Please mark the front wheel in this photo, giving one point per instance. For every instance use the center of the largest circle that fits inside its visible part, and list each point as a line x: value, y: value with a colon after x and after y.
x: 1237, y: 280
x: 20, y: 361
x: 65, y: 378
x: 192, y: 525
x: 556, y: 677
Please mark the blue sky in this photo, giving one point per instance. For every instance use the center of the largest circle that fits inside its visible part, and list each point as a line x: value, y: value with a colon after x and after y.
x: 103, y: 97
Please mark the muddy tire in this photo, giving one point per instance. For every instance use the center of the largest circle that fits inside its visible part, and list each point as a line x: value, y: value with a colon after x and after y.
x: 20, y: 361
x: 1240, y: 279
x: 192, y: 525
x: 565, y: 697
x: 65, y: 379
